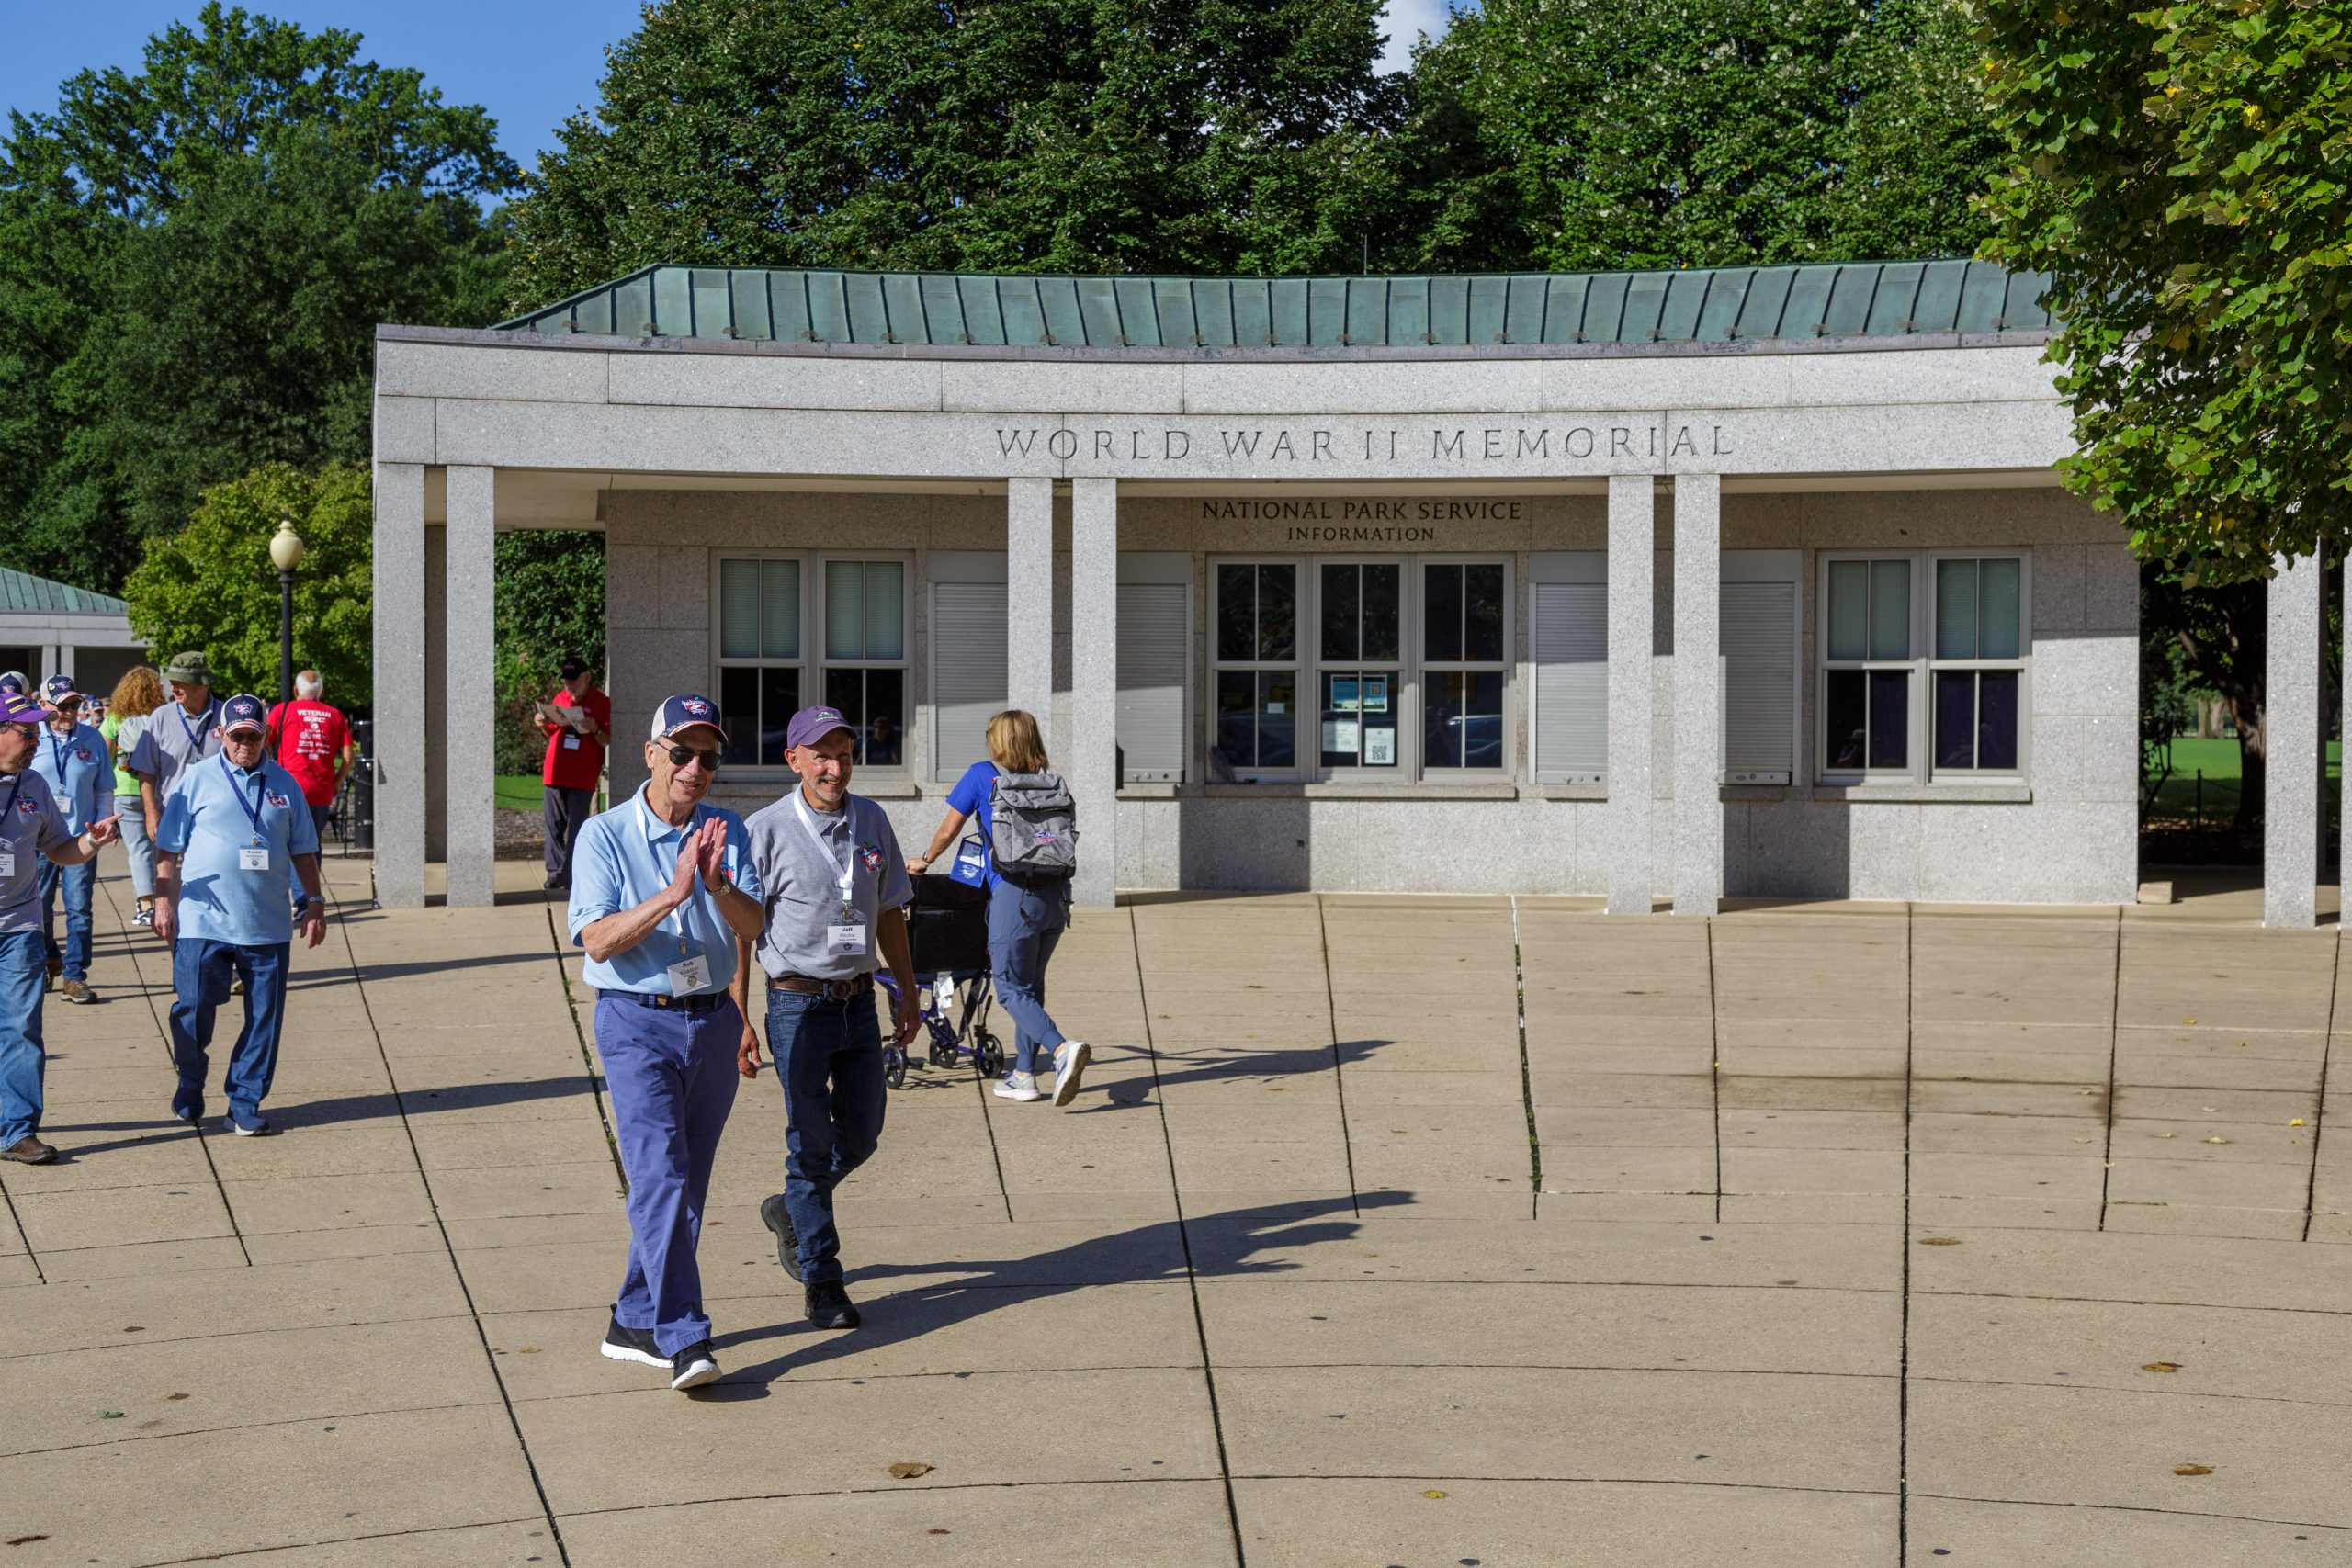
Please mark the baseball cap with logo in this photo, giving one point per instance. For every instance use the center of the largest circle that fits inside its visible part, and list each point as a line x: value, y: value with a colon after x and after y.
x: 812, y: 725
x: 572, y: 669
x: 683, y: 712
x: 243, y: 711
x: 57, y: 688
x: 17, y: 709
x: 14, y: 681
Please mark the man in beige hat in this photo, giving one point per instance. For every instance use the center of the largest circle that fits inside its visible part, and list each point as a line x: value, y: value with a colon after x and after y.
x: 178, y: 736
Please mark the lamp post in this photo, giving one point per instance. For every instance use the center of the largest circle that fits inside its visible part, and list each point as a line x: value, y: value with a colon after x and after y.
x: 286, y: 550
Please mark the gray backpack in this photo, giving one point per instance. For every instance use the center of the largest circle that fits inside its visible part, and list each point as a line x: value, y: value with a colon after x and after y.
x: 1033, y: 828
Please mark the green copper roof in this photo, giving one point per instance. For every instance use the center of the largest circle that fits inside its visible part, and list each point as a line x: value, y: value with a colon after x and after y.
x: 1710, y: 305
x: 22, y: 591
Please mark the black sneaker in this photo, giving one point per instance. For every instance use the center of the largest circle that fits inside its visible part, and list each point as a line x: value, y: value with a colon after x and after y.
x: 624, y: 1344
x: 774, y: 1215
x: 694, y: 1366
x: 830, y: 1306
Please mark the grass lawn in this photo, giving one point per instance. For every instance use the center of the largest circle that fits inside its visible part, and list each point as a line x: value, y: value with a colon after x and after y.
x: 2218, y: 760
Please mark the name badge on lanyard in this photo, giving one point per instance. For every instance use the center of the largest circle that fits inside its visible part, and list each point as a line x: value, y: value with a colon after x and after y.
x: 255, y: 855
x: 845, y: 938
x: 7, y: 812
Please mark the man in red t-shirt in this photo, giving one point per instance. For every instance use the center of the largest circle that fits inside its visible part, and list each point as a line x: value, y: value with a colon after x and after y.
x: 575, y: 762
x: 314, y: 744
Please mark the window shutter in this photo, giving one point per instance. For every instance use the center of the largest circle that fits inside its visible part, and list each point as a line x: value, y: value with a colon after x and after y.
x: 1569, y: 644
x: 1153, y: 645
x: 968, y: 672
x: 1759, y: 692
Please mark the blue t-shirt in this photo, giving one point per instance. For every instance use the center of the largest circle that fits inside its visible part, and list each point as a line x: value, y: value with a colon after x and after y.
x: 626, y: 856
x: 215, y: 813
x: 78, y: 772
x: 973, y: 795
x: 30, y: 823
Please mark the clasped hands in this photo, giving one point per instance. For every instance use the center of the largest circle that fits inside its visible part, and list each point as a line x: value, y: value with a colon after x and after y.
x: 704, y: 856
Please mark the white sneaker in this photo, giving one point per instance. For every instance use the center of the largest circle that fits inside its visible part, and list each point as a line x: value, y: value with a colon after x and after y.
x: 1070, y: 1065
x: 1022, y: 1086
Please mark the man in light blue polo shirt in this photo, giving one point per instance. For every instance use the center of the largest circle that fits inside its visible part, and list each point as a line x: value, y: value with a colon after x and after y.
x: 662, y: 887
x: 72, y: 762
x: 32, y: 833
x: 230, y: 827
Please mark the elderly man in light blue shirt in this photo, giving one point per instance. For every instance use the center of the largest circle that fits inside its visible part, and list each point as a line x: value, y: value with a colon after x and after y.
x: 662, y: 887
x: 72, y: 761
x: 232, y: 824
x: 32, y: 834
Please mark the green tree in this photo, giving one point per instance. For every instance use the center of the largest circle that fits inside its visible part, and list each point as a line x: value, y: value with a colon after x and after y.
x: 193, y: 258
x: 1026, y: 135
x: 2184, y: 172
x: 211, y: 586
x: 1573, y: 134
x: 550, y: 606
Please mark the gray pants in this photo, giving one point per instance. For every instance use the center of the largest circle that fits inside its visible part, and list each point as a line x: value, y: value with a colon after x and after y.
x: 567, y: 812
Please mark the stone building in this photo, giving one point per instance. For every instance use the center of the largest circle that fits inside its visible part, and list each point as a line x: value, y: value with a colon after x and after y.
x: 1745, y: 583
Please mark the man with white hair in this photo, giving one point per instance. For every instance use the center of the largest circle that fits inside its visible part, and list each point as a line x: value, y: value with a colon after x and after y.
x: 312, y: 742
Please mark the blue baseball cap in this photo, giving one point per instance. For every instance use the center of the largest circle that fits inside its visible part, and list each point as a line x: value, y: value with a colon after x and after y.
x: 811, y: 725
x: 684, y: 712
x: 57, y: 688
x: 13, y: 680
x: 244, y: 711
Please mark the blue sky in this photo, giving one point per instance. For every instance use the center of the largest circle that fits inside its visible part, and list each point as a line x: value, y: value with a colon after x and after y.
x: 531, y: 62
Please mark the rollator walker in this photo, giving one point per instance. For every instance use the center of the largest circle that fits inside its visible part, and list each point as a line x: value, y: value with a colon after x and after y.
x: 947, y: 937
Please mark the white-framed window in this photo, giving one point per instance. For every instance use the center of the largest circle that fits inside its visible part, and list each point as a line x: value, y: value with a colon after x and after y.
x: 793, y: 629
x: 1403, y: 662
x: 761, y: 672
x: 1923, y: 659
x: 1253, y: 640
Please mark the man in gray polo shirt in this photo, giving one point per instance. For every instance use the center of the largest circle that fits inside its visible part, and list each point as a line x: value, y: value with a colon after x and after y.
x: 834, y: 889
x: 179, y: 734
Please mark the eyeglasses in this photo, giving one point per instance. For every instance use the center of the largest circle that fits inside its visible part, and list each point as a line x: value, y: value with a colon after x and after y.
x: 681, y: 755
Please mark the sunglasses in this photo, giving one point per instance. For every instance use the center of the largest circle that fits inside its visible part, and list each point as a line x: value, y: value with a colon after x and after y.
x: 681, y: 755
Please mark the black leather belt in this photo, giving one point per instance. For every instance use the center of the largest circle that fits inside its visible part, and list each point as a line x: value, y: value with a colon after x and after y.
x: 832, y: 990
x: 701, y: 1001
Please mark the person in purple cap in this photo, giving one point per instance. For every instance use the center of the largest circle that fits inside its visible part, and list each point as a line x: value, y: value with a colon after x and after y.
x: 32, y: 833
x: 663, y: 891
x: 72, y: 761
x: 835, y: 910
x: 234, y: 823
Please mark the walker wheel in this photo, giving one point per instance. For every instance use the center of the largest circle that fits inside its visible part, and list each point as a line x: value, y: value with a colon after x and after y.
x: 942, y: 1054
x: 989, y: 1056
x: 894, y: 1069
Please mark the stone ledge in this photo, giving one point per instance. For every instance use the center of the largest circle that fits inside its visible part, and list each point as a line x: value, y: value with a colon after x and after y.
x: 1572, y: 792
x: 1293, y: 790
x: 1927, y: 795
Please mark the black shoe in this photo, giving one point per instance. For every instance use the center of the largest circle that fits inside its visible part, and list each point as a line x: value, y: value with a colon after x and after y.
x: 829, y: 1307
x: 694, y: 1366
x: 787, y: 1246
x: 624, y: 1344
x: 554, y: 884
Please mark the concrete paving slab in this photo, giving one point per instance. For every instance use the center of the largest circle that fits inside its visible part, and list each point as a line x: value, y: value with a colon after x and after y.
x: 1570, y: 1524
x: 2028, y: 1535
x: 2261, y: 1458
x: 2240, y: 1353
x: 1172, y: 1522
x: 1109, y: 1425
x: 1729, y: 1429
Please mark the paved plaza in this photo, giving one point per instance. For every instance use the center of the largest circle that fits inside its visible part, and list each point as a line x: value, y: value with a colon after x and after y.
x: 1426, y: 1232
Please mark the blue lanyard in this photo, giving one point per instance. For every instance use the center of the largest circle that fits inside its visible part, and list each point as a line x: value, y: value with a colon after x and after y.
x: 195, y: 732
x: 253, y: 812
x: 57, y: 756
x: 16, y: 782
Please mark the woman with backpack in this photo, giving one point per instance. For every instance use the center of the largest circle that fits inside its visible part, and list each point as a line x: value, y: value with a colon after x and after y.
x: 1024, y: 848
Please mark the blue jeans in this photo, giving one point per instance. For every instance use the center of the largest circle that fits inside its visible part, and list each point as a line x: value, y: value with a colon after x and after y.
x: 671, y: 1078
x: 200, y: 974
x: 78, y: 880
x: 829, y: 1058
x: 1025, y: 926
x: 136, y: 843
x: 24, y: 974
